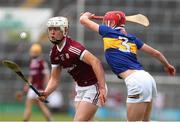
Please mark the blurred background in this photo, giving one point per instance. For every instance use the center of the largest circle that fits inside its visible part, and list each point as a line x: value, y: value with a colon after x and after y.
x: 30, y: 16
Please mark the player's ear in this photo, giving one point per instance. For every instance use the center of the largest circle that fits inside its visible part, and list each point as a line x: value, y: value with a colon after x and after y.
x: 66, y: 30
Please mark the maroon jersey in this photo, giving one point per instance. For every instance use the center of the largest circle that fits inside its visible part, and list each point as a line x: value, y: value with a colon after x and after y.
x: 38, y: 68
x: 69, y: 57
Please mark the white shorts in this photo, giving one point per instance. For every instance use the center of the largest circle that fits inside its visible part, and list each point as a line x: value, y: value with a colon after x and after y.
x: 31, y: 94
x: 140, y: 83
x: 88, y: 93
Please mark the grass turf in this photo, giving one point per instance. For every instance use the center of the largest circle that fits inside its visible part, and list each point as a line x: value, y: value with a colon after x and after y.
x: 39, y: 117
x: 34, y: 117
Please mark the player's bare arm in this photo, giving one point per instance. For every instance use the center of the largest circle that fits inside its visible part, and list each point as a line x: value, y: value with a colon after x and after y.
x: 46, y: 73
x: 85, y: 20
x: 90, y: 59
x: 46, y: 77
x: 158, y: 55
x: 54, y: 80
x: 52, y: 84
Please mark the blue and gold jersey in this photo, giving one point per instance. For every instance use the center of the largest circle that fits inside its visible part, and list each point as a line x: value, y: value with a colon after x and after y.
x: 120, y: 49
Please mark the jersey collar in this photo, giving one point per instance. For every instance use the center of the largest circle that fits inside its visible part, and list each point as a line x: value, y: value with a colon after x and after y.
x: 119, y: 28
x: 122, y: 29
x: 62, y: 46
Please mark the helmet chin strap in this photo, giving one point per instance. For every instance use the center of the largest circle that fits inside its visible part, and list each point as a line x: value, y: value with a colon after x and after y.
x: 57, y: 41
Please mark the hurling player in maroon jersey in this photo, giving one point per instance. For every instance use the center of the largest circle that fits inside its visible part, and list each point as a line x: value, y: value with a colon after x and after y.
x: 82, y: 65
x: 38, y: 74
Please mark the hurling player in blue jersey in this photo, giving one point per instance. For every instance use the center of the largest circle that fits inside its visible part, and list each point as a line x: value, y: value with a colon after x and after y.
x: 120, y: 51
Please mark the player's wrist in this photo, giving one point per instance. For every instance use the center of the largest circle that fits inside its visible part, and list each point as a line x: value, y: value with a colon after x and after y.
x: 102, y: 88
x: 101, y: 85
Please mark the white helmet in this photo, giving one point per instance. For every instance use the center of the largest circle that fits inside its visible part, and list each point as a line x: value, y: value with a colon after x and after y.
x: 60, y: 21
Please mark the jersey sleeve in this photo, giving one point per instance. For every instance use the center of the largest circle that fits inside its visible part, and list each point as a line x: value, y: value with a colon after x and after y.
x: 139, y: 43
x: 82, y: 54
x: 78, y: 49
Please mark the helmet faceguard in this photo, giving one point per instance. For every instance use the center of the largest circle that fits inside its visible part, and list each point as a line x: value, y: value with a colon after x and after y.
x: 115, y: 19
x: 61, y: 23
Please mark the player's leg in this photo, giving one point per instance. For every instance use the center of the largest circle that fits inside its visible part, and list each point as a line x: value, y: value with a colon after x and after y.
x: 140, y: 92
x: 136, y: 106
x: 86, y: 103
x: 147, y: 113
x: 92, y: 119
x: 135, y: 111
x: 76, y: 106
x: 85, y: 111
x: 28, y: 107
x: 139, y: 111
x: 44, y: 110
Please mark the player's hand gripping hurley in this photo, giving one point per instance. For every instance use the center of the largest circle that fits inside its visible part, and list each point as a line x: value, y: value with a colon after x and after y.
x: 14, y: 67
x: 138, y: 18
